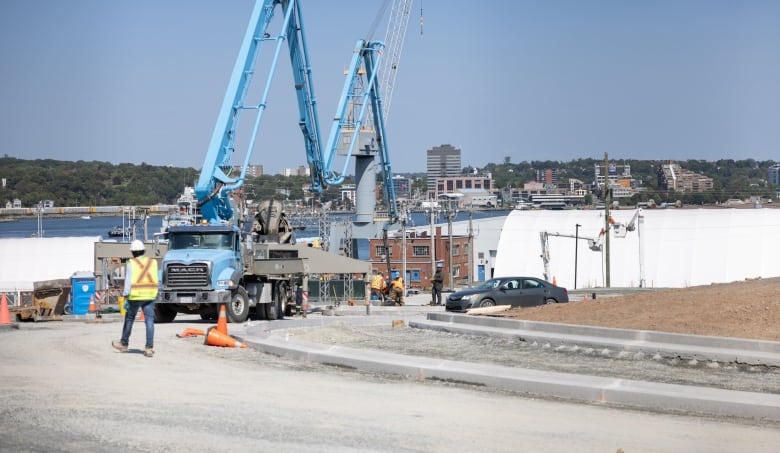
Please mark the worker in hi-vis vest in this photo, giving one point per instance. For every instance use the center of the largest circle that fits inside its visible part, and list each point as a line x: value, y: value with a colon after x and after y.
x: 397, y: 288
x: 378, y: 286
x: 141, y: 285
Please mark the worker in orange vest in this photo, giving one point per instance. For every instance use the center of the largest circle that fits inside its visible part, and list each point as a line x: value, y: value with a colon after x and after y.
x: 140, y: 291
x: 397, y: 288
x: 378, y: 286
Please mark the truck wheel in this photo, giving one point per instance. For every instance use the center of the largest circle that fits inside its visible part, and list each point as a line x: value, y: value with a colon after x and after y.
x: 163, y: 313
x: 270, y: 311
x: 238, y: 308
x: 281, y: 300
x: 274, y: 309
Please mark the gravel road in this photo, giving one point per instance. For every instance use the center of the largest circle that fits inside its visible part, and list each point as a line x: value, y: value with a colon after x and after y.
x: 65, y: 389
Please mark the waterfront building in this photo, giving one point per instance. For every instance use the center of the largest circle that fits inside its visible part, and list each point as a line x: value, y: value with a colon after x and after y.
x: 443, y: 161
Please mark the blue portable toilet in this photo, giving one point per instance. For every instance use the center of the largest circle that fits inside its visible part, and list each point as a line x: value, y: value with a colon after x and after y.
x: 82, y: 286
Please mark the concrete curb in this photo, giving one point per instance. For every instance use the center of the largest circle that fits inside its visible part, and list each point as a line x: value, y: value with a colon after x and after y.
x: 719, y: 349
x: 665, y: 397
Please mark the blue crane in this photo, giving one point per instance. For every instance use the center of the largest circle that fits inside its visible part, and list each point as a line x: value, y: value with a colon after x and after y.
x: 216, y: 180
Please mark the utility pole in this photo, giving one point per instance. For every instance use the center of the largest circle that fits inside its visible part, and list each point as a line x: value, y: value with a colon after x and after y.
x: 471, y: 247
x: 403, y: 247
x: 451, y: 212
x: 576, y: 243
x: 607, y: 201
x: 433, y: 244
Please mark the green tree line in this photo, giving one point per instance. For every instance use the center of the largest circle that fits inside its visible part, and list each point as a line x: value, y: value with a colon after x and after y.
x: 732, y: 179
x: 94, y: 183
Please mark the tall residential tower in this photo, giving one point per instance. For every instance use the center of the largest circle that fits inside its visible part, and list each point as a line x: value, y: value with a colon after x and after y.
x: 443, y: 161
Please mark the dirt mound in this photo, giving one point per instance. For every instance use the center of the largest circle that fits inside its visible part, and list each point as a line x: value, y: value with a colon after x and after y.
x: 746, y: 309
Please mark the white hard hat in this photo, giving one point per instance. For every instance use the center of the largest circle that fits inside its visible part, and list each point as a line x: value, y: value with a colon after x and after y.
x: 137, y: 246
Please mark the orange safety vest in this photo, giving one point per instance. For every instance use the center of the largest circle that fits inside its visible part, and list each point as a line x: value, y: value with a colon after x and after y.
x: 377, y: 282
x: 398, y: 283
x: 145, y: 281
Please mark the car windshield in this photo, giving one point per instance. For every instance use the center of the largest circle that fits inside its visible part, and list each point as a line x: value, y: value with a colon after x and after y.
x: 180, y: 241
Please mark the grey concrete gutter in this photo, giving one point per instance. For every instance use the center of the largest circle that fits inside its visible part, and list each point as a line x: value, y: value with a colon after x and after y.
x: 718, y: 349
x: 665, y: 397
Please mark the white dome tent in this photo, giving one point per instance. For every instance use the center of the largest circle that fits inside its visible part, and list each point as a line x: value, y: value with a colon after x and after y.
x: 680, y: 247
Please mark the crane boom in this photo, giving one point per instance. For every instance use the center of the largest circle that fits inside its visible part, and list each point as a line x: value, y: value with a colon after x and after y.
x: 394, y: 40
x: 216, y: 182
x: 593, y: 243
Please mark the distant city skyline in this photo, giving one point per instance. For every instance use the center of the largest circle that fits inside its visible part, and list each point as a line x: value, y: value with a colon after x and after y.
x: 143, y: 81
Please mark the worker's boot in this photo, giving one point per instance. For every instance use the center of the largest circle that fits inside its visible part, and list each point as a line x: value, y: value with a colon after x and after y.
x: 117, y: 344
x: 148, y: 352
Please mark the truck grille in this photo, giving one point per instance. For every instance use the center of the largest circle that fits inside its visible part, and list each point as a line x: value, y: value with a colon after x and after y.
x: 195, y: 275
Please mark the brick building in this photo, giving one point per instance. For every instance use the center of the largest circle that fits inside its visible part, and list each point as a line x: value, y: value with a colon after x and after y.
x: 419, y: 259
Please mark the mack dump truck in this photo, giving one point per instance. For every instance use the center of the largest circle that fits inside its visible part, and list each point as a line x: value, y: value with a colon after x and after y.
x: 243, y: 256
x: 210, y: 264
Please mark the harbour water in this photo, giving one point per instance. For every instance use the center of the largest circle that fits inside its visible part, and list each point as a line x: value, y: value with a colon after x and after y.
x: 100, y: 226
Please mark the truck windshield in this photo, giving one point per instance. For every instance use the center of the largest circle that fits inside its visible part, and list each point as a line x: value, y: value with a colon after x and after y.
x: 183, y: 241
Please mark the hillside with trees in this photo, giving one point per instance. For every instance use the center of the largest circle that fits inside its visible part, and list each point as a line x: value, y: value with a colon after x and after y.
x: 94, y: 183
x: 732, y: 179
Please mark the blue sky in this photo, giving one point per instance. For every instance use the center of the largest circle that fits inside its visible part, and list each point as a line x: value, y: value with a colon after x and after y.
x: 143, y: 80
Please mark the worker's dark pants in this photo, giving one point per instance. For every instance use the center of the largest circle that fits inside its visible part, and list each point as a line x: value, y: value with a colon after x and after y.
x: 132, y: 309
x: 436, y: 295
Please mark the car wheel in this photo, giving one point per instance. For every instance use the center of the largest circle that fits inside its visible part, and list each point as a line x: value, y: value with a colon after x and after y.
x: 550, y: 301
x: 487, y: 303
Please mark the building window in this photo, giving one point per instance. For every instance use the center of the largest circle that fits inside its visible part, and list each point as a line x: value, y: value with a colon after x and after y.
x: 414, y: 275
x: 382, y: 251
x: 455, y: 271
x: 466, y: 250
x: 455, y: 249
x: 421, y: 250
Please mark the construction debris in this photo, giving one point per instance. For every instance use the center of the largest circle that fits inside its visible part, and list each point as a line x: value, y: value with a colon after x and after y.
x: 488, y: 310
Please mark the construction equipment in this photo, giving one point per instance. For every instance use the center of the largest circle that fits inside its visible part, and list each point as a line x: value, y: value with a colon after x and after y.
x: 621, y: 230
x: 48, y: 302
x: 242, y: 255
x: 593, y: 243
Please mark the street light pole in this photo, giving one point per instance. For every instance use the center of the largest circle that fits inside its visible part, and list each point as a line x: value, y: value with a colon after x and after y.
x: 433, y: 244
x: 449, y: 228
x: 576, y: 243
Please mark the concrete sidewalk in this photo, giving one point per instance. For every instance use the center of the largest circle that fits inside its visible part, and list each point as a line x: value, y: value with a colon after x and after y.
x: 716, y: 349
x: 270, y: 337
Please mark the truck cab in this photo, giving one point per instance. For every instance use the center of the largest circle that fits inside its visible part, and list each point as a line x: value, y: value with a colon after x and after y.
x: 203, y: 267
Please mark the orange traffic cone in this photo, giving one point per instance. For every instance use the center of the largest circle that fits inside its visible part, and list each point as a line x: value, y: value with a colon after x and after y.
x: 555, y: 282
x: 216, y: 338
x: 141, y: 314
x: 222, y: 320
x: 190, y: 332
x: 91, y: 304
x: 5, y: 315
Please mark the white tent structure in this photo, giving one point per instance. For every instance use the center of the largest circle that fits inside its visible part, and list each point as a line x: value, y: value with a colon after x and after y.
x: 24, y: 261
x: 670, y: 248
